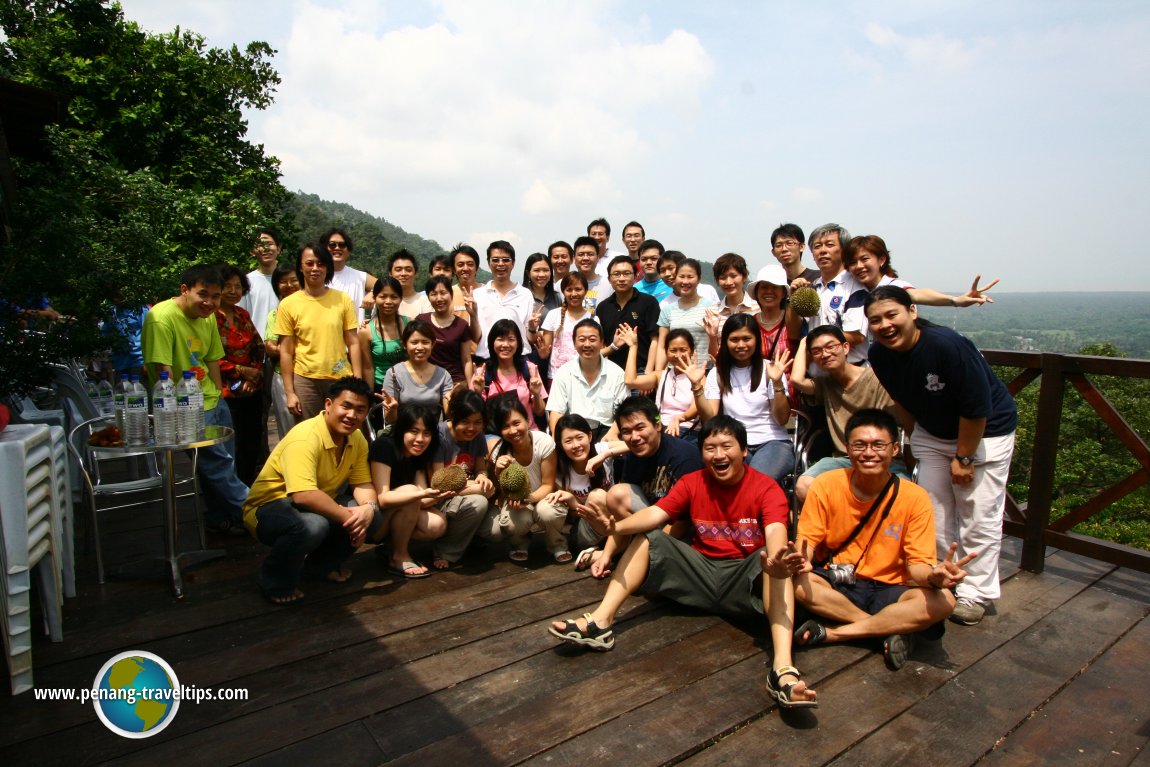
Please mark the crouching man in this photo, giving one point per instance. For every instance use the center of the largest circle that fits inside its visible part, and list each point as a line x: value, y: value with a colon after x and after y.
x: 292, y: 506
x: 736, y: 515
x: 865, y: 559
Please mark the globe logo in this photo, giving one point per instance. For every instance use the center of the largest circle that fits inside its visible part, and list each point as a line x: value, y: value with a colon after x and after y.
x: 136, y: 694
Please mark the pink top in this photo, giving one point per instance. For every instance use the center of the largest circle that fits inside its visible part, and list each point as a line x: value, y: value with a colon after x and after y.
x: 501, y: 384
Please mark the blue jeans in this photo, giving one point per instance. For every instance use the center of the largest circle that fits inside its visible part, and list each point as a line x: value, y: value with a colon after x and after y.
x: 216, y: 468
x: 776, y: 458
x: 297, y: 538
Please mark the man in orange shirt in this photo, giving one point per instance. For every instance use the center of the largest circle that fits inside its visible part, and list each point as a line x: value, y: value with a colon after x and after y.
x: 873, y: 537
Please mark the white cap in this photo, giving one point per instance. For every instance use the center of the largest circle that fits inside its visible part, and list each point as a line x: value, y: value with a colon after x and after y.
x: 773, y: 274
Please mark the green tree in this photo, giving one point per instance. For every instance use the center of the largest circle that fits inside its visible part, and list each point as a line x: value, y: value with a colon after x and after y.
x: 148, y: 171
x: 150, y: 167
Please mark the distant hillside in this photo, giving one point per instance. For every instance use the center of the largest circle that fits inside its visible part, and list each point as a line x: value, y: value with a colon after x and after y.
x: 1054, y: 322
x: 375, y: 239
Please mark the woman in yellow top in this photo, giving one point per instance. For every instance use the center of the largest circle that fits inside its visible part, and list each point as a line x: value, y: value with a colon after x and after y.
x: 317, y: 330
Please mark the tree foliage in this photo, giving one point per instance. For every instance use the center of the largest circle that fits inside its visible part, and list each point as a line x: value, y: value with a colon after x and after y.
x: 150, y: 169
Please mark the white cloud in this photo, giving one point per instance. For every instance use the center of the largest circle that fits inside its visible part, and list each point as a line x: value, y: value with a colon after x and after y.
x: 546, y: 99
x: 936, y: 50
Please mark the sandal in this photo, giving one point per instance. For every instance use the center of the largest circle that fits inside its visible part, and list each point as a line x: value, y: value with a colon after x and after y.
x: 599, y: 639
x: 282, y: 599
x: 407, y: 570
x: 585, y: 559
x: 562, y: 557
x: 896, y: 650
x: 815, y: 631
x: 782, y: 692
x: 518, y: 555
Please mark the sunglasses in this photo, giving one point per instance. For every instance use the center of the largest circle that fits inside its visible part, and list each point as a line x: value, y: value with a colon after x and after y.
x: 337, y: 244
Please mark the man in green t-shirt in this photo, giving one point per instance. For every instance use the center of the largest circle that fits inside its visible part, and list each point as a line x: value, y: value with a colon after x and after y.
x: 181, y: 334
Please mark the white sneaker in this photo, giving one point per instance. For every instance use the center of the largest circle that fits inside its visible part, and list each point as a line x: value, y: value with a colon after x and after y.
x: 968, y: 612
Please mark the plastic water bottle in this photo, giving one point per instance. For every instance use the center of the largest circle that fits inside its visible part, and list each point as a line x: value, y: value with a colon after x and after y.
x: 185, y: 418
x: 93, y: 393
x: 106, y: 397
x: 196, y: 406
x: 120, y: 400
x: 164, y: 410
x: 136, y: 413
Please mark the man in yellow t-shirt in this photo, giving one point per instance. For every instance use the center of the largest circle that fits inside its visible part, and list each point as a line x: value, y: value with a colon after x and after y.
x: 292, y: 506
x: 875, y: 533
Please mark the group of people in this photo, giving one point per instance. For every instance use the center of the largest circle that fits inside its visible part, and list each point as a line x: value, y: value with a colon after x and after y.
x: 610, y: 404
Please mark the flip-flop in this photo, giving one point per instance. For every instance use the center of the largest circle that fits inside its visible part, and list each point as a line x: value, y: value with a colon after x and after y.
x: 562, y: 557
x: 585, y: 559
x: 815, y: 631
x: 518, y: 555
x: 402, y: 570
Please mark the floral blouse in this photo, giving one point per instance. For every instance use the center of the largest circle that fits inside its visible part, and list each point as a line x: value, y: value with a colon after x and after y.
x: 242, y: 346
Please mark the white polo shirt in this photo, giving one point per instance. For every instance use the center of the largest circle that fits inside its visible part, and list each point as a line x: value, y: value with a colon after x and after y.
x: 595, y: 401
x: 516, y: 305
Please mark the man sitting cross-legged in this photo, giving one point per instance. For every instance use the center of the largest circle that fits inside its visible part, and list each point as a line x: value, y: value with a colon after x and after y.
x: 736, y: 515
x: 875, y: 534
x: 292, y: 506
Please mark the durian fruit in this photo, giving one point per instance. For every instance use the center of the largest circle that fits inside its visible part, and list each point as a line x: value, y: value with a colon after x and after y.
x: 452, y: 478
x: 514, y: 483
x: 805, y: 302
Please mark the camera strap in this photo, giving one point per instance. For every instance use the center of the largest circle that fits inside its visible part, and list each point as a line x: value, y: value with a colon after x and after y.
x: 893, y: 481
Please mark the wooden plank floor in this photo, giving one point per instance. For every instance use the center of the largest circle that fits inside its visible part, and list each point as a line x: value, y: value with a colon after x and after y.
x: 457, y: 669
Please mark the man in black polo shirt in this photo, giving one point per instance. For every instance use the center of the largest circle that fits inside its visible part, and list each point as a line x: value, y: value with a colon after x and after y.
x: 627, y: 305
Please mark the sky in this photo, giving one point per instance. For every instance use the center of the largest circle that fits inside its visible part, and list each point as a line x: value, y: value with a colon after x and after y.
x: 1006, y: 139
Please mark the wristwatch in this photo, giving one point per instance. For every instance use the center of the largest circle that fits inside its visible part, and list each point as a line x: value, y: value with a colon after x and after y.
x: 964, y: 460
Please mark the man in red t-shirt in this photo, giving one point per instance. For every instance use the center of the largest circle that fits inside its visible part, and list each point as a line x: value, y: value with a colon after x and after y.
x: 736, y: 515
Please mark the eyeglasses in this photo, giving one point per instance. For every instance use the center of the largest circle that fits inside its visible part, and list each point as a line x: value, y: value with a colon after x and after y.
x: 621, y: 274
x: 500, y: 260
x: 337, y: 244
x: 826, y: 349
x: 861, y: 447
x: 787, y: 243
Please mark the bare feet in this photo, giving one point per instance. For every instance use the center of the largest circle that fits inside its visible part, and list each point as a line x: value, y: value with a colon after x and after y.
x: 285, y: 599
x: 342, y: 575
x: 439, y: 563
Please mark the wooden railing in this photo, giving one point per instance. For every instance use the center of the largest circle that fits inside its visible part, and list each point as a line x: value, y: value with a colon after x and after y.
x: 1030, y: 520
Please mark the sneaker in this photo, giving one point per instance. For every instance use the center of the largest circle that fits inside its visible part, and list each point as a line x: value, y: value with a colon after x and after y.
x: 896, y: 649
x: 967, y: 612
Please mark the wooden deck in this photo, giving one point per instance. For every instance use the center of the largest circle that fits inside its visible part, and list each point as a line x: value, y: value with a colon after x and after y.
x: 458, y: 669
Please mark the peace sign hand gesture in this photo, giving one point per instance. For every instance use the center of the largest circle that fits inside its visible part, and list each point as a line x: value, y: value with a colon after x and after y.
x: 948, y: 573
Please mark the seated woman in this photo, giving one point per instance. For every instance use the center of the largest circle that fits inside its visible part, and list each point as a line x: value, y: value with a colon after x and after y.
x: 401, y: 463
x: 242, y: 372
x: 508, y: 370
x: 462, y: 442
x: 453, y: 336
x: 754, y: 393
x: 673, y: 394
x: 416, y: 381
x: 583, y: 477
x: 534, y: 452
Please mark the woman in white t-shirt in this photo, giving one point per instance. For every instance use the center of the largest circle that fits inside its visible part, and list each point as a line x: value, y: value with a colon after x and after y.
x: 557, y: 343
x: 583, y: 476
x: 753, y: 391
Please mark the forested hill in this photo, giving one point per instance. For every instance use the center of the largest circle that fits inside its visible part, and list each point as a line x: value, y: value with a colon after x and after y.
x: 1054, y: 322
x: 375, y: 238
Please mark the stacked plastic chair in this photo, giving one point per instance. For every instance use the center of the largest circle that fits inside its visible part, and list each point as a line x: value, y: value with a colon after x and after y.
x: 31, y: 510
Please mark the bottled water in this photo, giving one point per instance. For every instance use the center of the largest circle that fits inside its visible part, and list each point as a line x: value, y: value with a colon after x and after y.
x: 195, y: 406
x: 93, y: 393
x: 136, y: 413
x: 164, y: 410
x: 120, y: 401
x: 106, y: 397
x: 185, y: 416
